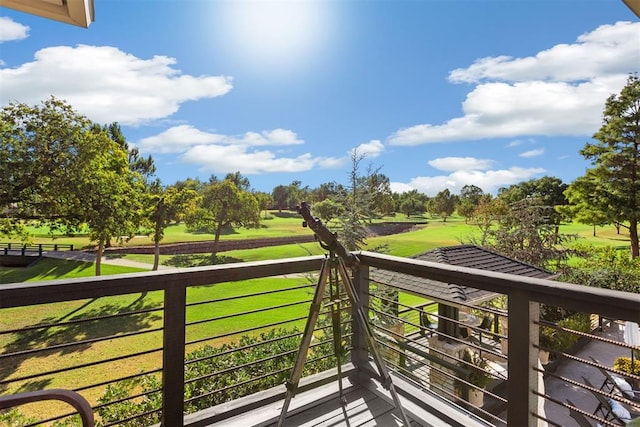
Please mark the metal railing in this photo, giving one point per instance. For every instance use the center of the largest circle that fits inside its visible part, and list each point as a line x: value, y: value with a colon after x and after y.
x: 103, y: 323
x: 38, y: 248
x: 514, y: 358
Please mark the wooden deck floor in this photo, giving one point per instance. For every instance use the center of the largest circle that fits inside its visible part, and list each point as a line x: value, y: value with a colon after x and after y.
x: 323, y: 407
x: 318, y: 403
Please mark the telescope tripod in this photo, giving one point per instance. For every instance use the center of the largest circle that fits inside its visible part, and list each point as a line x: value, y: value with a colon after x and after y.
x: 333, y: 267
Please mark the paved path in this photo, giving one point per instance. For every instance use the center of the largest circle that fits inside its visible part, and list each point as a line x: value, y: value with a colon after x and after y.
x: 583, y: 399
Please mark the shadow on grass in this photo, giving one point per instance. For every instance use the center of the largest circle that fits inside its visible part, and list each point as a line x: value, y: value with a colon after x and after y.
x: 199, y: 260
x: 226, y: 231
x: 286, y: 214
x: 66, y: 335
x: 46, y: 267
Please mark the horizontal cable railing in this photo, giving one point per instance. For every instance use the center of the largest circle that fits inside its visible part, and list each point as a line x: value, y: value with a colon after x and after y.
x: 440, y: 343
x: 116, y: 360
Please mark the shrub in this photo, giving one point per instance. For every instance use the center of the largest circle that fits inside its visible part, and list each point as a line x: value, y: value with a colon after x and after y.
x: 560, y: 341
x: 477, y: 367
x: 624, y: 364
x: 215, y: 375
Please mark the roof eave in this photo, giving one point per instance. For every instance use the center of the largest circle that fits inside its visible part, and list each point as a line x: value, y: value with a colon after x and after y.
x: 75, y: 12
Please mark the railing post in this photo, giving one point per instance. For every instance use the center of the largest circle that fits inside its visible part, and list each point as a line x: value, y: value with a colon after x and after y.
x: 359, y: 352
x: 175, y: 298
x: 523, y: 334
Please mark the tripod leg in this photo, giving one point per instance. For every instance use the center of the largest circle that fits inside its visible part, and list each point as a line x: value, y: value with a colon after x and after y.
x: 338, y: 349
x: 363, y: 322
x: 296, y: 372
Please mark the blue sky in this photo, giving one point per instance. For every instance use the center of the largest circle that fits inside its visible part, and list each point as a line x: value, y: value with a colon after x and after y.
x: 437, y: 94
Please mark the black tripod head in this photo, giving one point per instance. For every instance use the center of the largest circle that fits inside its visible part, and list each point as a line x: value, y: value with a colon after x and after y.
x: 325, y: 237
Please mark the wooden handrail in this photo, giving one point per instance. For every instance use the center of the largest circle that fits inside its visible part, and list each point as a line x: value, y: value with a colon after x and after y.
x: 71, y: 397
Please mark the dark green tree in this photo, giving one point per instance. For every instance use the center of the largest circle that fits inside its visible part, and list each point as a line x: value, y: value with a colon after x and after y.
x: 468, y: 201
x: 241, y: 182
x: 280, y: 196
x: 443, y: 204
x: 615, y: 156
x: 412, y: 206
x: 587, y: 204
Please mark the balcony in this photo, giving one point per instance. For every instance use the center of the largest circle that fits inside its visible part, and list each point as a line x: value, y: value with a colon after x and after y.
x: 148, y: 331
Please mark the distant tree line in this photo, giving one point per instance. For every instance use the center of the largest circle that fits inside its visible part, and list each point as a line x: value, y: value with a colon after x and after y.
x: 62, y: 170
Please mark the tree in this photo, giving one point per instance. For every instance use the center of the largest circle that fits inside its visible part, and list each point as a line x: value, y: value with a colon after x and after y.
x: 297, y: 194
x: 379, y: 186
x: 264, y: 200
x: 468, y: 201
x: 223, y: 205
x: 39, y: 147
x: 411, y: 206
x: 168, y: 205
x: 356, y: 200
x: 488, y: 212
x: 586, y: 202
x: 325, y: 191
x: 615, y: 156
x: 242, y: 182
x: 143, y: 167
x: 109, y: 194
x: 527, y: 233
x: 327, y: 210
x: 65, y: 171
x: 443, y: 204
x: 413, y: 196
x: 280, y: 196
x: 548, y: 190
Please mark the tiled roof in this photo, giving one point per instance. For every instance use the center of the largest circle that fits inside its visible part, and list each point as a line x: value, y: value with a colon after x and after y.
x: 464, y: 256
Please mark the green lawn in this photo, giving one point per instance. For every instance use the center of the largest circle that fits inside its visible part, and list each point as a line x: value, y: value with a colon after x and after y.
x: 50, y: 268
x: 273, y: 224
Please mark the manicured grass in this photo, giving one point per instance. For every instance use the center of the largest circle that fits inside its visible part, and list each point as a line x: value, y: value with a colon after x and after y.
x: 50, y: 268
x: 22, y: 317
x: 273, y: 224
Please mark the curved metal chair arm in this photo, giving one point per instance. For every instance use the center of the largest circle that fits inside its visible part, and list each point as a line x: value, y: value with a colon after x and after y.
x: 71, y: 397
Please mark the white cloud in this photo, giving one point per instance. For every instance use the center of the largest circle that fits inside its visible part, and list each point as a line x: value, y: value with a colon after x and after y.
x: 369, y: 149
x: 460, y: 163
x: 546, y: 94
x: 400, y: 187
x: 107, y: 84
x: 228, y: 158
x: 608, y: 50
x: 178, y: 139
x: 270, y: 137
x: 11, y: 30
x: 218, y: 153
x: 532, y: 153
x: 489, y: 181
x: 518, y: 142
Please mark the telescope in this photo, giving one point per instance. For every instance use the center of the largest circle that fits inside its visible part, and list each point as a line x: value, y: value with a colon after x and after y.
x: 332, y: 268
x: 325, y: 237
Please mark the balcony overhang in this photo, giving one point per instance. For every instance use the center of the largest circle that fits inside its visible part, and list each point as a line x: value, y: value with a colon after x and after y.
x: 634, y: 5
x: 74, y: 12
